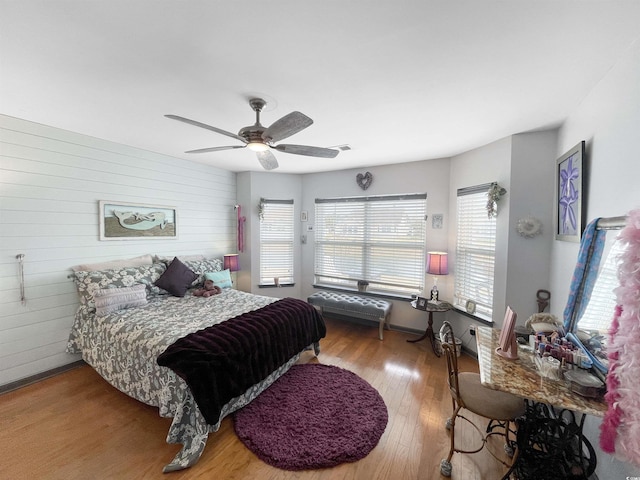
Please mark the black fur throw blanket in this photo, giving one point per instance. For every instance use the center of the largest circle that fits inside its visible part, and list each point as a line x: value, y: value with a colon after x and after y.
x: 222, y: 361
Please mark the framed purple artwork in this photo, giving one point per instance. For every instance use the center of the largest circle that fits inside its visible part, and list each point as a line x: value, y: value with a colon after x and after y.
x: 569, y: 189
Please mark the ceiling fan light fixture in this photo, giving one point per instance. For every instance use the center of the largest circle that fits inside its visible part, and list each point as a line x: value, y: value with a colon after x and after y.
x: 258, y: 146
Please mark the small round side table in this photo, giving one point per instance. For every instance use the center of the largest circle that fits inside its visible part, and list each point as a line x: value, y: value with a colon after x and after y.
x: 429, y: 333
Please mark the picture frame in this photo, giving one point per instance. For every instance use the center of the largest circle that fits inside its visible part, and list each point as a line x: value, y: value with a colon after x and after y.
x: 135, y: 221
x: 421, y: 303
x: 570, y: 182
x: 437, y: 220
x: 304, y: 216
x: 470, y: 307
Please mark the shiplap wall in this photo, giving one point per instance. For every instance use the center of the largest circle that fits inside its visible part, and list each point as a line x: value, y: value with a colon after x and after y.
x: 51, y: 181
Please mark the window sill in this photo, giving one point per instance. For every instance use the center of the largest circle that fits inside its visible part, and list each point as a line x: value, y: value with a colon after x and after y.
x: 392, y: 296
x: 484, y: 321
x: 271, y: 285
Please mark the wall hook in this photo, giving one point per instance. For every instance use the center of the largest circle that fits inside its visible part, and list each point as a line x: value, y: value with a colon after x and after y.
x: 20, y: 258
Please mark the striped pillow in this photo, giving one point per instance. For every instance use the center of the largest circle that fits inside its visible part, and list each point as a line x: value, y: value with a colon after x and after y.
x: 111, y: 299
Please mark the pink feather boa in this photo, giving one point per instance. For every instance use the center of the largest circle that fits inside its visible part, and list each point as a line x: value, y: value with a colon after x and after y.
x: 620, y: 429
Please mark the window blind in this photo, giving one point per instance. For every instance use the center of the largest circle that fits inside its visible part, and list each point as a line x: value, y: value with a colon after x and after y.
x: 378, y: 239
x: 475, y: 251
x: 602, y: 302
x: 276, y: 241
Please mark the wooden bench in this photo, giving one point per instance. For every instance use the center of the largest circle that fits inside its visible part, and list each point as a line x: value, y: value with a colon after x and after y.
x: 351, y: 305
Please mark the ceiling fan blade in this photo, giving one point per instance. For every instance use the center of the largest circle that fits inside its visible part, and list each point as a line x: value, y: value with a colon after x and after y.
x: 267, y: 160
x: 307, y: 150
x: 214, y: 149
x: 205, y: 126
x: 286, y: 126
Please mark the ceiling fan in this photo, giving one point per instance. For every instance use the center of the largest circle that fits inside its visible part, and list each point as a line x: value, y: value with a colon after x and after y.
x: 261, y: 140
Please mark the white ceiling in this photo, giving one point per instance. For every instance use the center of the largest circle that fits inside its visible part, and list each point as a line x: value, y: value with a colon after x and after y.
x: 398, y: 81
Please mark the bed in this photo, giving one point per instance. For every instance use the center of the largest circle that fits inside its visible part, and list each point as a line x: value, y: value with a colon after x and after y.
x: 126, y: 326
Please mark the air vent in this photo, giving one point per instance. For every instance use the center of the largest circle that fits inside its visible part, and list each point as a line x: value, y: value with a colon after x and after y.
x: 342, y: 148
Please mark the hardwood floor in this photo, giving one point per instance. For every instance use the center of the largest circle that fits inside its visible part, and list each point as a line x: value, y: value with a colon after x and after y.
x: 76, y: 426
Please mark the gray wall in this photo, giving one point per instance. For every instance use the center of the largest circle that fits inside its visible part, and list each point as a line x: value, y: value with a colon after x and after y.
x: 491, y: 163
x: 524, y: 165
x: 50, y: 183
x: 532, y: 191
x: 251, y: 187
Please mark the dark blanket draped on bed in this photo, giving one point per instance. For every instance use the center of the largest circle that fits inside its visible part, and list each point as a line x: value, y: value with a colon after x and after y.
x: 224, y: 360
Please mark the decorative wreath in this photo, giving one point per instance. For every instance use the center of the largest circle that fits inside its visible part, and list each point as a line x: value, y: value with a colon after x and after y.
x: 494, y: 194
x: 529, y: 227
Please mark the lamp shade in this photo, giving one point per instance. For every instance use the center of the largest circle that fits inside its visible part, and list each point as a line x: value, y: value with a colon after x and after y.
x: 231, y: 262
x: 437, y: 263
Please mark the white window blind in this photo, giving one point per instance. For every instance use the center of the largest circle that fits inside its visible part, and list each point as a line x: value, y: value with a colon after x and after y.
x: 276, y: 242
x: 378, y: 239
x: 602, y: 302
x: 475, y: 251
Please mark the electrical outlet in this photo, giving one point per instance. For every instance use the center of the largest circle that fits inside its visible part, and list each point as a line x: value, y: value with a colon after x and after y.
x: 472, y: 329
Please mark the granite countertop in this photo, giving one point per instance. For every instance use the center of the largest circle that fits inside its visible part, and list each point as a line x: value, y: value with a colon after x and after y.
x: 521, y: 378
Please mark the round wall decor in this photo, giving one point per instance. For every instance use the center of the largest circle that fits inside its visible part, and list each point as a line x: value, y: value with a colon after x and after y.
x: 529, y: 227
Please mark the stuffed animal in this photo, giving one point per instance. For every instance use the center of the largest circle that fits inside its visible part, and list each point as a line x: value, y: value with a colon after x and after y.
x: 208, y: 290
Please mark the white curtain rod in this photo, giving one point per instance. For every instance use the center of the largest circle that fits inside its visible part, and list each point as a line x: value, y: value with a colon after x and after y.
x: 611, y: 223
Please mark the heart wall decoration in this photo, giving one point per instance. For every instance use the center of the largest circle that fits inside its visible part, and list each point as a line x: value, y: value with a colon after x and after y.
x: 364, y: 181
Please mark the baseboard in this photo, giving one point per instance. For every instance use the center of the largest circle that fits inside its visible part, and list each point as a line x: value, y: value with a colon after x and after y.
x: 398, y: 328
x: 413, y: 331
x: 40, y: 376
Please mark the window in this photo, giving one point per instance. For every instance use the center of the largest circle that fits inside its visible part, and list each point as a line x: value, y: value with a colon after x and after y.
x: 377, y: 239
x: 594, y: 325
x: 475, y: 251
x: 276, y: 241
x: 602, y: 302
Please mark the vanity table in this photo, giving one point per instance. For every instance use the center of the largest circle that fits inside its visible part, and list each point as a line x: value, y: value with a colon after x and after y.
x: 551, y: 411
x: 429, y: 333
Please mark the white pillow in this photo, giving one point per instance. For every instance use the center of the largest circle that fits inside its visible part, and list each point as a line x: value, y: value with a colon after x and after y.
x: 111, y: 299
x: 182, y: 258
x: 114, y: 264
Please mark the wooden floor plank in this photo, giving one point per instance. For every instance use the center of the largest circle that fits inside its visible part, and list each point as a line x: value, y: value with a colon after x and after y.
x: 76, y: 426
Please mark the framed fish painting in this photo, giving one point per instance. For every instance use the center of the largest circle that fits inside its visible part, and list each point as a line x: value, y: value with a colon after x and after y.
x: 131, y: 221
x: 570, y: 182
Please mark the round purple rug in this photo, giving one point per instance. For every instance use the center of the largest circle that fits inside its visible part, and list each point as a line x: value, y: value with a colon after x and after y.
x: 314, y: 416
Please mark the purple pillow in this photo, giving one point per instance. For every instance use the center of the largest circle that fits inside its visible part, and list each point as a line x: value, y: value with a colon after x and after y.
x: 177, y: 278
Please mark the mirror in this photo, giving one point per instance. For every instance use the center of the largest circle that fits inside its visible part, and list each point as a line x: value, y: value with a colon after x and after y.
x: 594, y: 316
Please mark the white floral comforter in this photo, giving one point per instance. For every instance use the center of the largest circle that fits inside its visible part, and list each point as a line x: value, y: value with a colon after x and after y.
x: 123, y: 347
